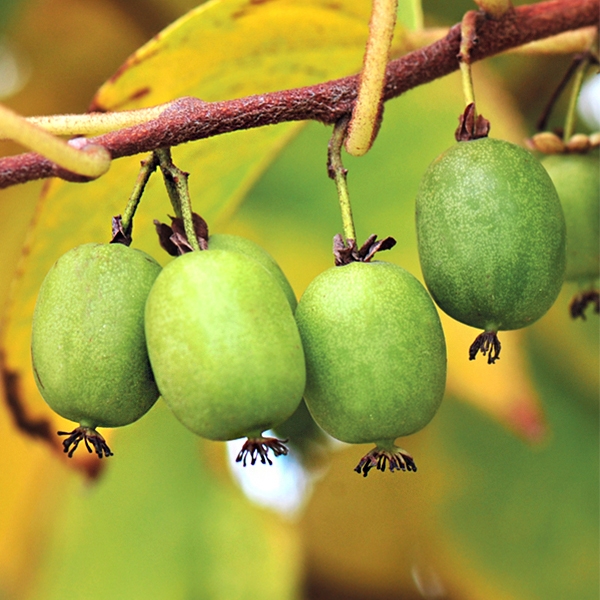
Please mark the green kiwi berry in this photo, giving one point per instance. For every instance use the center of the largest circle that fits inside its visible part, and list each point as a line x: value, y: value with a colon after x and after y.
x: 577, y: 181
x: 300, y: 429
x: 375, y: 357
x: 236, y: 243
x: 491, y: 237
x: 88, y: 346
x: 225, y: 348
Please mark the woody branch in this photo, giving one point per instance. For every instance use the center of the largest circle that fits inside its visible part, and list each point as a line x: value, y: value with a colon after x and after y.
x: 189, y: 119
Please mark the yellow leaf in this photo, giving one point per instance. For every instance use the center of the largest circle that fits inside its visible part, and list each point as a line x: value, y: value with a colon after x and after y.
x: 367, y: 537
x: 503, y: 390
x: 233, y: 48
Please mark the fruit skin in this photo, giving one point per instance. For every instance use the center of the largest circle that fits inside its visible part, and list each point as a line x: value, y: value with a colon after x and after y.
x: 299, y: 429
x: 375, y: 352
x: 88, y: 347
x: 223, y: 344
x: 236, y: 243
x: 491, y: 235
x: 577, y: 181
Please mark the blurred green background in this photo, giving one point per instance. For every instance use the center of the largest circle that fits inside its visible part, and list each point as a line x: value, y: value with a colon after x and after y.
x: 505, y: 502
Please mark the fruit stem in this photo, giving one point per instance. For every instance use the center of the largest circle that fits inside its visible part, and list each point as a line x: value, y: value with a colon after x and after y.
x: 179, y: 193
x: 542, y: 122
x: 468, y: 38
x: 571, y: 117
x: 148, y: 167
x: 338, y: 173
x: 588, y: 57
x: 367, y: 111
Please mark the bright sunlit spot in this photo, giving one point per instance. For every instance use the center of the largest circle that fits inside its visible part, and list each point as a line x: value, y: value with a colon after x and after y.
x: 428, y: 582
x: 589, y: 102
x: 283, y: 486
x: 14, y: 71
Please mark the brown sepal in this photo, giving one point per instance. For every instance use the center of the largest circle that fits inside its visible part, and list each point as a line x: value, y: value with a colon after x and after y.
x: 119, y: 235
x: 164, y: 238
x: 346, y: 253
x: 486, y: 343
x: 172, y: 237
x: 342, y: 252
x: 200, y: 228
x: 580, y: 302
x: 470, y: 127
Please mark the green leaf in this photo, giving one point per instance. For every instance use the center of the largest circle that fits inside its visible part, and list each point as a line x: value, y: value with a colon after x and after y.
x: 410, y: 14
x: 524, y: 519
x: 160, y: 525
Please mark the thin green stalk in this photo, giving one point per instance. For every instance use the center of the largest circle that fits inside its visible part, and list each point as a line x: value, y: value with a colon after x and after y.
x: 571, y: 117
x: 148, y: 167
x: 467, y: 32
x: 186, y: 210
x: 337, y: 172
x: 179, y: 193
x: 163, y: 157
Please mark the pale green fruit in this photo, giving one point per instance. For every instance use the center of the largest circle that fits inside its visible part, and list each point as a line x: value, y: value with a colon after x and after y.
x: 491, y: 235
x: 235, y: 243
x: 375, y: 353
x: 299, y: 429
x: 87, y: 343
x: 577, y: 181
x: 223, y: 345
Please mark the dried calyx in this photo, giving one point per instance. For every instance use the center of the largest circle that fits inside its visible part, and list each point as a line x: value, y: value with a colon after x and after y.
x: 90, y: 437
x: 172, y: 237
x: 347, y: 252
x: 378, y: 458
x: 258, y: 448
x: 471, y: 126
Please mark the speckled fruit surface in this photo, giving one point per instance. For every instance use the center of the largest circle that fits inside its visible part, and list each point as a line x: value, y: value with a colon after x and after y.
x: 491, y: 235
x: 236, y: 243
x: 223, y: 344
x: 577, y: 181
x: 88, y: 346
x: 375, y: 352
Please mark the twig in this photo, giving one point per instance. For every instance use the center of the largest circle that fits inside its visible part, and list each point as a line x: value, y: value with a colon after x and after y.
x: 189, y: 119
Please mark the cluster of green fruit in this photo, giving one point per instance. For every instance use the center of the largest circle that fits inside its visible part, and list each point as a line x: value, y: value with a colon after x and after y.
x: 219, y: 335
x: 214, y: 334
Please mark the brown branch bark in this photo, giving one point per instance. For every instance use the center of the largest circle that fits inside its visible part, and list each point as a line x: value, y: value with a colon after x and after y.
x: 189, y: 119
